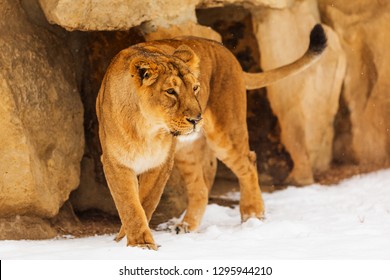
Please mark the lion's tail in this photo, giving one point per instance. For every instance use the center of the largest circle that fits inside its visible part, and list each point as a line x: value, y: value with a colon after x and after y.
x: 318, y: 42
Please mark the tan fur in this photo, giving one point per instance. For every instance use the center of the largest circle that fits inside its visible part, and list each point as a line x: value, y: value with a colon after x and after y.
x: 141, y: 120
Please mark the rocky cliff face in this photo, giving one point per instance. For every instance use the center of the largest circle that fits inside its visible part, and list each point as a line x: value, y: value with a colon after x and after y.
x: 362, y: 28
x: 41, y: 139
x: 305, y: 104
x: 336, y: 111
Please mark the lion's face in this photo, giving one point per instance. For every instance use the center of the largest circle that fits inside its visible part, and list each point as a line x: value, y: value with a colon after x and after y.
x: 168, y: 88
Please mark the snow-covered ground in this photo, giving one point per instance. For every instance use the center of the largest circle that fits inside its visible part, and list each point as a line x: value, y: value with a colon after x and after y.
x: 350, y: 220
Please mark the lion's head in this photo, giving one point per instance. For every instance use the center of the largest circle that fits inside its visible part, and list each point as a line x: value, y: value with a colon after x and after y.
x: 167, y: 87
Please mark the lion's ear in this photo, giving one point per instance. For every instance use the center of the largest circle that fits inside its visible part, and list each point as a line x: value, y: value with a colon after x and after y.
x: 186, y: 54
x: 143, y: 72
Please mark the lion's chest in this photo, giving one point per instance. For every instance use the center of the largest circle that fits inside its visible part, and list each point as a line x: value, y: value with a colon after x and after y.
x: 150, y: 158
x: 148, y: 155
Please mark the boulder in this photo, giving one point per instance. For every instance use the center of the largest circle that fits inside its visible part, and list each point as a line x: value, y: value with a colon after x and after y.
x: 188, y: 28
x: 25, y: 227
x: 117, y: 14
x: 41, y: 121
x: 363, y: 28
x: 273, y: 4
x: 305, y: 104
x: 125, y: 14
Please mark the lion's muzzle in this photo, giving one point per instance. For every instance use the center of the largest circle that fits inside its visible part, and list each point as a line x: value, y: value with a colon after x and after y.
x: 194, y: 120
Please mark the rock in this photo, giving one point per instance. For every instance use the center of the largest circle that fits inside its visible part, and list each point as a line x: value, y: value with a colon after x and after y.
x: 93, y: 193
x: 117, y: 14
x: 125, y: 14
x: 273, y: 4
x: 365, y: 37
x: 25, y: 227
x: 307, y: 103
x: 41, y: 121
x: 188, y: 28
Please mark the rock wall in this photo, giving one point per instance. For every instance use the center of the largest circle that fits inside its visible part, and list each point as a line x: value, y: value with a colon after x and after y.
x: 305, y: 104
x: 41, y: 139
x: 363, y: 29
x: 125, y: 14
x: 117, y: 14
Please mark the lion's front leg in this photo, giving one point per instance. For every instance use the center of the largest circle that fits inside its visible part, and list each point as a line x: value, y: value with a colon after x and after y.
x: 152, y: 185
x: 123, y: 185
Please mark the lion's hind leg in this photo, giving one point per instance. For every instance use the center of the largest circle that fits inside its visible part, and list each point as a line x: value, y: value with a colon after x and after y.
x: 232, y: 149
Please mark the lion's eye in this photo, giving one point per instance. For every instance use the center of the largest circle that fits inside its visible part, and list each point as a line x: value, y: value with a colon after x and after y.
x: 146, y: 75
x: 171, y: 91
x: 196, y: 87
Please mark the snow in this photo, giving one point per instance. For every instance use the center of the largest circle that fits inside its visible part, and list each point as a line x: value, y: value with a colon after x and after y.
x: 350, y: 220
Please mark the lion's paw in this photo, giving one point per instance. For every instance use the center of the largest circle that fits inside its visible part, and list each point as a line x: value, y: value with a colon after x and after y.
x: 147, y: 246
x: 182, y: 228
x: 252, y: 212
x: 179, y: 228
x: 246, y: 217
x: 252, y: 209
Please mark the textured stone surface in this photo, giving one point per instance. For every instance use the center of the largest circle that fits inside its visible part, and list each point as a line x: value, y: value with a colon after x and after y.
x: 274, y: 4
x: 117, y: 14
x: 124, y: 14
x: 307, y: 103
x: 25, y: 227
x: 188, y: 28
x: 41, y: 139
x: 363, y: 28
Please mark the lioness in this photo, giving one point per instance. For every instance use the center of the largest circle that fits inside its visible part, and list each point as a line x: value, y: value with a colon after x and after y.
x: 156, y: 101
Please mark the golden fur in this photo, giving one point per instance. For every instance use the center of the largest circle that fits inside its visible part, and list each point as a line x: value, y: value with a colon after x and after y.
x: 156, y: 103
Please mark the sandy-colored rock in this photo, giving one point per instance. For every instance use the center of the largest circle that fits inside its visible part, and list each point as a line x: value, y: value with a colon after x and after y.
x: 117, y: 14
x: 363, y: 28
x: 188, y: 28
x: 41, y: 139
x: 124, y: 14
x: 307, y: 103
x: 25, y: 227
x: 274, y: 4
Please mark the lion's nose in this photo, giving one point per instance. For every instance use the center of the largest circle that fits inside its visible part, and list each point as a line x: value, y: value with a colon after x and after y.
x: 195, y: 120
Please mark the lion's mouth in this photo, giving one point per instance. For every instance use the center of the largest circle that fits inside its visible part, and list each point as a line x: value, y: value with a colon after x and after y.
x: 186, y: 132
